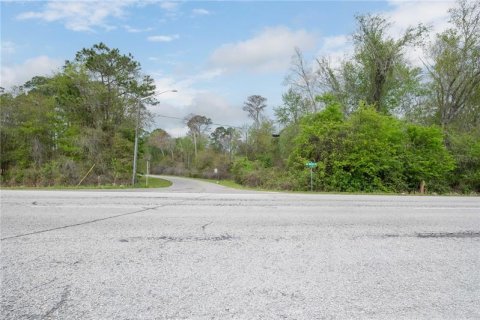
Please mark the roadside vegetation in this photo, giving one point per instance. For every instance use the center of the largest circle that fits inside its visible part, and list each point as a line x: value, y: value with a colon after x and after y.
x: 372, y: 122
x: 151, y: 182
x: 140, y: 184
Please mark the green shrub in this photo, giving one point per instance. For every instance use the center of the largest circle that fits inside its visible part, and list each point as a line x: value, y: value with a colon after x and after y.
x: 370, y: 152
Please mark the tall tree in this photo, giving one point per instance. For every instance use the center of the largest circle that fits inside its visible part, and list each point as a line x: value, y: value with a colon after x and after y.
x: 378, y: 74
x: 198, y: 125
x: 303, y: 81
x: 255, y: 106
x: 121, y: 83
x: 455, y: 72
x: 381, y: 56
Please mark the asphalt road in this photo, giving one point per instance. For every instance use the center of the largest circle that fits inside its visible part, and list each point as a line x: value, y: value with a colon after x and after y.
x: 201, y: 251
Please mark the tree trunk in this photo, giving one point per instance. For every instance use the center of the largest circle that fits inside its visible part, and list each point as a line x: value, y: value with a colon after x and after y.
x: 422, y: 187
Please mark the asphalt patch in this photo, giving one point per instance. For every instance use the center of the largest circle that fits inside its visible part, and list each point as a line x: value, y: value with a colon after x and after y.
x: 223, y: 237
x: 466, y: 234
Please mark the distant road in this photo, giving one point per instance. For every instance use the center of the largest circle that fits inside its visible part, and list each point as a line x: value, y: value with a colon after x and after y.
x: 202, y: 251
x: 187, y: 185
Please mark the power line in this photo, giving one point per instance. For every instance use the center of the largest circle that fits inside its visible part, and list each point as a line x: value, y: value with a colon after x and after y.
x: 215, y: 124
x: 162, y: 116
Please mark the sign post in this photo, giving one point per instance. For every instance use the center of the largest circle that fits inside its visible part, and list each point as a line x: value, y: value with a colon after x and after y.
x: 148, y: 172
x: 311, y: 165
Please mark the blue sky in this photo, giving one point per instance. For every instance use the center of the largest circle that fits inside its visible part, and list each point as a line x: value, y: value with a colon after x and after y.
x: 215, y: 53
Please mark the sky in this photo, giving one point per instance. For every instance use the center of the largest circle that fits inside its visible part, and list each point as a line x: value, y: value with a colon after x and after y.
x: 214, y: 53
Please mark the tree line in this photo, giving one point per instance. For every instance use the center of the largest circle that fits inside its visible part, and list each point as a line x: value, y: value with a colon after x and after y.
x: 372, y: 121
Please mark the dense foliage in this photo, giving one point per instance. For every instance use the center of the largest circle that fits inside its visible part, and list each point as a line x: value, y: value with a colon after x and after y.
x: 369, y: 151
x: 53, y: 130
x: 372, y: 123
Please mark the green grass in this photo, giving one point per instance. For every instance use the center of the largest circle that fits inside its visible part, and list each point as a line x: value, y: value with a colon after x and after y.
x: 231, y: 184
x: 152, y: 183
x: 141, y: 183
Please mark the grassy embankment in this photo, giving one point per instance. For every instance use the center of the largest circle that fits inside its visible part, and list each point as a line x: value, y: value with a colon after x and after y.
x: 141, y: 184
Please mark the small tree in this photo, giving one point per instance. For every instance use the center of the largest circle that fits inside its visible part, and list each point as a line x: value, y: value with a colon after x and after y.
x: 223, y: 139
x: 160, y: 139
x: 293, y: 108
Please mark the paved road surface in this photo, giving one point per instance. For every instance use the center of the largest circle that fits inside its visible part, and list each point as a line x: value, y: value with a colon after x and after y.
x: 201, y: 251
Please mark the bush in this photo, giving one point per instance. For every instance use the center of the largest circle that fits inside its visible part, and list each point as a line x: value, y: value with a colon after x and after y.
x: 241, y: 168
x: 370, y: 152
x: 465, y: 148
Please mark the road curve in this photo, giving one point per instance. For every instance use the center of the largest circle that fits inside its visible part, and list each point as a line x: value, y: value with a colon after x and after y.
x: 187, y: 185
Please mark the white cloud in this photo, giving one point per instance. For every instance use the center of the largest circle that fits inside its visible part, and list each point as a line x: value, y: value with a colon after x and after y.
x: 268, y: 51
x: 335, y: 42
x: 174, y: 130
x: 208, y: 75
x: 430, y: 13
x: 184, y: 96
x: 218, y: 108
x: 336, y: 49
x: 172, y: 10
x: 433, y: 14
x: 169, y: 5
x: 163, y: 38
x: 170, y: 116
x: 19, y: 74
x: 190, y: 99
x: 200, y: 12
x: 79, y: 15
x: 136, y: 30
x: 402, y: 14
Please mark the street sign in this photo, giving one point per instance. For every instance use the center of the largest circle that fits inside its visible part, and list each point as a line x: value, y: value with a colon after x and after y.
x: 311, y: 164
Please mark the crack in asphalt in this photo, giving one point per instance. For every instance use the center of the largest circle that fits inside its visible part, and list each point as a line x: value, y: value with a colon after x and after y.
x: 44, y: 284
x: 59, y: 304
x: 203, y: 228
x: 77, y: 224
x: 206, y: 225
x: 97, y: 220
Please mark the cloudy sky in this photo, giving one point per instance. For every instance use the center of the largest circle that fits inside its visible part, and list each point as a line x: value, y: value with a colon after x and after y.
x: 215, y: 53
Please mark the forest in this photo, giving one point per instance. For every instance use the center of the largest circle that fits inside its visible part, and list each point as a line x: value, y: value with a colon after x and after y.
x: 372, y: 122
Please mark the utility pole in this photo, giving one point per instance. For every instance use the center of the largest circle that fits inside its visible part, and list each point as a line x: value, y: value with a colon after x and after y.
x: 135, y: 147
